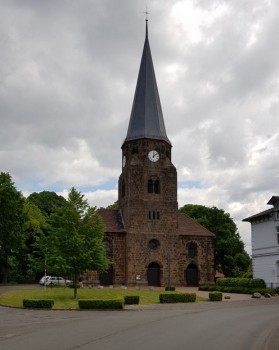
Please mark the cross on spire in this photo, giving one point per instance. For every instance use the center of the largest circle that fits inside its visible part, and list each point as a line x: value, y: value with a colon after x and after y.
x: 146, y: 14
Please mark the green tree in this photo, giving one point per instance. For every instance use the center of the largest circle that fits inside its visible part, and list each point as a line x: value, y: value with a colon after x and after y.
x: 11, y: 223
x: 46, y: 201
x: 115, y: 205
x: 75, y: 241
x: 229, y: 248
x: 35, y: 227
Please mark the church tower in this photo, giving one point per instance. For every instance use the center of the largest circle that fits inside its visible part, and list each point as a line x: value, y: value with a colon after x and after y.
x: 146, y: 238
x: 148, y: 183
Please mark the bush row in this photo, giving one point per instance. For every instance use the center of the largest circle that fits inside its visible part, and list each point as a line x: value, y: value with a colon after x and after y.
x: 177, y: 298
x: 241, y: 282
x: 215, y: 296
x: 131, y: 299
x: 242, y: 290
x: 38, y: 304
x: 112, y: 304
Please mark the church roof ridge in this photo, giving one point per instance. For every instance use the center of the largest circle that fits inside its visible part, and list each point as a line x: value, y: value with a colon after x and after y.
x: 146, y: 120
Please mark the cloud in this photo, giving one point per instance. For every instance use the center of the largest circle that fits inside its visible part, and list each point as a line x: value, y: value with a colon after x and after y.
x: 68, y: 72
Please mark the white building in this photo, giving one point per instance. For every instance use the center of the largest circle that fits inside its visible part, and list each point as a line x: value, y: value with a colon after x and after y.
x: 265, y: 243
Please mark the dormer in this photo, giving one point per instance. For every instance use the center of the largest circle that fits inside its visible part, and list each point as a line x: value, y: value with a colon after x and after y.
x: 274, y: 200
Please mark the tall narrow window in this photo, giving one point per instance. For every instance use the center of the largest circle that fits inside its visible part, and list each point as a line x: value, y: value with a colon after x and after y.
x: 156, y: 186
x: 192, y: 250
x: 153, y: 186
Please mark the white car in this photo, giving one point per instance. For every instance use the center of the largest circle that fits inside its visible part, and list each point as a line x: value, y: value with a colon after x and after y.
x: 51, y: 281
x: 42, y: 280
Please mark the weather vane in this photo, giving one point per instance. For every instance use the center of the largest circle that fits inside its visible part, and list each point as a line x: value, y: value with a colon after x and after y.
x: 146, y: 14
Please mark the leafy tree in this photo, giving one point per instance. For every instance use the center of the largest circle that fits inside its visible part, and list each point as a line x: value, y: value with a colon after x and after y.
x: 35, y: 227
x: 11, y: 223
x: 115, y: 205
x: 46, y: 201
x: 229, y: 248
x: 75, y: 241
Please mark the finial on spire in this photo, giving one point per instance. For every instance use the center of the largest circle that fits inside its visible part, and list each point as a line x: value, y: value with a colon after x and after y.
x: 146, y: 20
x: 146, y: 14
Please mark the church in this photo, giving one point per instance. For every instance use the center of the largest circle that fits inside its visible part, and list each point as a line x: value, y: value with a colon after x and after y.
x: 147, y: 240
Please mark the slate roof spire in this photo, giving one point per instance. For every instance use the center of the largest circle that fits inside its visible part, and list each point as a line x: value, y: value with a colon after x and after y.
x: 146, y: 120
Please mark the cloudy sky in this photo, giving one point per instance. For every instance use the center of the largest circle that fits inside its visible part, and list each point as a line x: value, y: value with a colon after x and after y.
x: 68, y: 72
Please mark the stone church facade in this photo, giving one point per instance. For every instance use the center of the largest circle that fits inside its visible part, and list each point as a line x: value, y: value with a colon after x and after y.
x: 147, y: 240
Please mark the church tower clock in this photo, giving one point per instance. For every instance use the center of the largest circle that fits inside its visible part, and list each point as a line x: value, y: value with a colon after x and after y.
x: 147, y: 192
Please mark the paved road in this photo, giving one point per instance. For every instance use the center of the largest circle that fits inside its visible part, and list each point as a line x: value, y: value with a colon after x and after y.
x: 241, y: 325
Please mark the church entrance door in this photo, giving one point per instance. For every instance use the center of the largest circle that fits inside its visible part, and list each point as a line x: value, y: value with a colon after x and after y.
x: 106, y: 278
x: 154, y: 274
x: 192, y: 275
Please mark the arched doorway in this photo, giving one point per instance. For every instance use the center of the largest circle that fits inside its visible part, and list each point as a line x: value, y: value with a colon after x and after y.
x: 154, y: 274
x: 106, y: 278
x: 192, y: 275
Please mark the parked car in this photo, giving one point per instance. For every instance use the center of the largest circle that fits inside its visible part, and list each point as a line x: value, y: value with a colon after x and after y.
x: 42, y: 280
x: 51, y: 281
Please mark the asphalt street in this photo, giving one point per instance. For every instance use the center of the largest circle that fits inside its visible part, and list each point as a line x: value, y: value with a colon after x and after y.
x: 243, y: 325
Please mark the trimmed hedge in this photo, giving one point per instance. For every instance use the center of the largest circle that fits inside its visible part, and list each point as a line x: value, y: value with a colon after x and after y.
x: 38, y: 304
x: 131, y: 299
x: 241, y: 282
x: 170, y: 289
x: 112, y: 304
x: 215, y: 296
x: 241, y: 290
x: 177, y: 298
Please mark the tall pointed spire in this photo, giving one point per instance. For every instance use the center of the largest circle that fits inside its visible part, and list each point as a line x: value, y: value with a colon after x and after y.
x: 146, y: 120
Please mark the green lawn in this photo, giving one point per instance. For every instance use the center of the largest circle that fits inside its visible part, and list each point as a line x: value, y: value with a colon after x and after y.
x: 63, y: 297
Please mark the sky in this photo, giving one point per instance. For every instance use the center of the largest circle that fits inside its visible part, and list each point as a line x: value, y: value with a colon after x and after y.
x: 68, y: 72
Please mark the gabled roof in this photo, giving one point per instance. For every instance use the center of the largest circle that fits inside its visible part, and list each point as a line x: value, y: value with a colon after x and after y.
x: 146, y: 120
x: 112, y: 220
x: 263, y: 214
x: 273, y: 200
x: 189, y: 227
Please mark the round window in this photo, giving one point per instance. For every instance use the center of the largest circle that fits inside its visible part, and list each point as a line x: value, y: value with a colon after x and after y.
x: 153, y: 244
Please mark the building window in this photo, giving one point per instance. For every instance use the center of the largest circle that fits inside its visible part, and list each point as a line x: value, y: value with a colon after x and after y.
x: 192, y: 250
x: 277, y: 212
x: 135, y: 149
x: 153, y: 215
x: 153, y: 244
x: 277, y: 230
x: 153, y: 186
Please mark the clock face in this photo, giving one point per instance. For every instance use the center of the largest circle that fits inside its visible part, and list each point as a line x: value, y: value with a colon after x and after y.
x: 124, y: 161
x: 153, y: 156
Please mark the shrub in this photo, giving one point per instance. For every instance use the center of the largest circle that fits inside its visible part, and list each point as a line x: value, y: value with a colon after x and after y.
x: 112, y: 304
x: 38, y: 304
x: 241, y: 290
x: 170, y: 289
x: 131, y: 299
x: 241, y: 282
x: 215, y: 296
x: 177, y: 298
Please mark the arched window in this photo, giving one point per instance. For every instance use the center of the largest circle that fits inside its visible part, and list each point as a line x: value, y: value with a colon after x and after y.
x: 192, y: 250
x: 108, y: 249
x: 153, y: 186
x: 156, y: 186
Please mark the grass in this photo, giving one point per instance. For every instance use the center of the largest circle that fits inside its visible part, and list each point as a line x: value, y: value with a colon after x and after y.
x: 64, y: 297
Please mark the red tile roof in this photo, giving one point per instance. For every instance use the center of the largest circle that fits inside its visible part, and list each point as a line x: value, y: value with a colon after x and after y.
x: 186, y: 225
x: 189, y: 227
x: 112, y: 220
